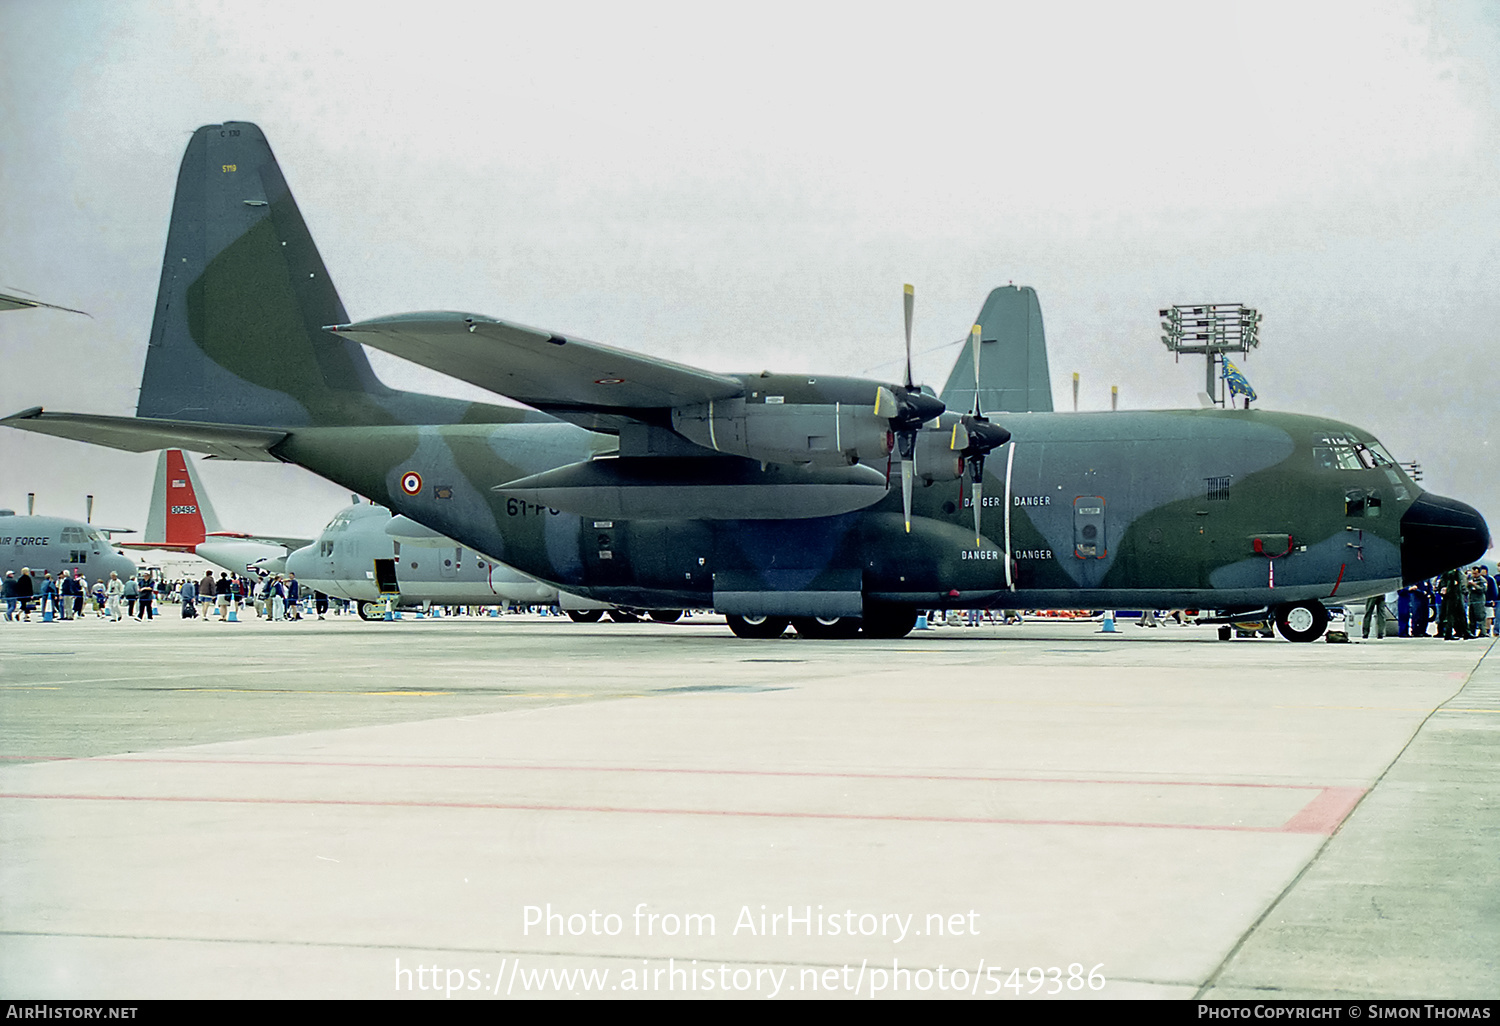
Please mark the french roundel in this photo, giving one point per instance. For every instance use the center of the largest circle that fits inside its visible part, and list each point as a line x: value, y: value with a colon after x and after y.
x: 411, y: 482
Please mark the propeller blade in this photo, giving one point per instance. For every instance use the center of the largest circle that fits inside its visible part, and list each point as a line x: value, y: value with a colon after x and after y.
x: 960, y: 440
x: 908, y: 469
x: 974, y: 344
x: 978, y: 498
x: 908, y: 300
x: 886, y: 404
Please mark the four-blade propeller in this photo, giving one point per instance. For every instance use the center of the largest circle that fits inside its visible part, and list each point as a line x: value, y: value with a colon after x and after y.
x: 908, y: 408
x: 907, y: 412
x: 974, y: 438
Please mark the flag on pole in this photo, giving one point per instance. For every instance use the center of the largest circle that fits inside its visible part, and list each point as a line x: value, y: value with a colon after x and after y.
x: 1236, y: 382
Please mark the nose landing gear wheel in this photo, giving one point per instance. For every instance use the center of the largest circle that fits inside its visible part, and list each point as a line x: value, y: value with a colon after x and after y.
x: 1302, y: 621
x: 369, y: 611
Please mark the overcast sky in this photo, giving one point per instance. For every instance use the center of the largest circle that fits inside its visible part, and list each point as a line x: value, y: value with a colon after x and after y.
x: 748, y: 186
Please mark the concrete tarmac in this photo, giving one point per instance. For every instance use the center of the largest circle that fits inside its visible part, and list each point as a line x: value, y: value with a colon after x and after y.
x: 523, y: 806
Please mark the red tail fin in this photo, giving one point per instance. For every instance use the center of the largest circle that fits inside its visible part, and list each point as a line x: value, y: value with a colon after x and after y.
x: 184, y: 519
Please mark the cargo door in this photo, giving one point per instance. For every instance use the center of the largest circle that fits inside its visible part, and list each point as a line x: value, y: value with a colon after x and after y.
x: 385, y: 577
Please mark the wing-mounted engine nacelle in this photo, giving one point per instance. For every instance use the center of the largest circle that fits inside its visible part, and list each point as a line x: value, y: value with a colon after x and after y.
x: 937, y: 460
x: 820, y: 433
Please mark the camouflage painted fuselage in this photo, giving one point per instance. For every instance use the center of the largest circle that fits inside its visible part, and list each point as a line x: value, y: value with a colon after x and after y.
x: 1104, y: 510
x: 689, y: 488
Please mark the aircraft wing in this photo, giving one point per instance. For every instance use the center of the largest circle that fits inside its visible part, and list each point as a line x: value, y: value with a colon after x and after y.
x: 290, y: 544
x: 590, y: 384
x: 146, y: 434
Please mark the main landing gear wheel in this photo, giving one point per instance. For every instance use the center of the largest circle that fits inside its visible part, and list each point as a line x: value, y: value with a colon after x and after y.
x: 757, y: 626
x: 623, y: 616
x: 370, y: 611
x: 1303, y: 621
x: 826, y: 626
x: 585, y: 615
x: 889, y: 622
x: 666, y: 615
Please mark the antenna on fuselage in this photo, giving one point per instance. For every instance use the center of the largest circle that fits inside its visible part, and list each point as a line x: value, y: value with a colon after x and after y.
x: 30, y: 503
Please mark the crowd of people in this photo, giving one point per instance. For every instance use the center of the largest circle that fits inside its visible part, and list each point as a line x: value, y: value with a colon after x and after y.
x: 1459, y: 605
x: 69, y: 596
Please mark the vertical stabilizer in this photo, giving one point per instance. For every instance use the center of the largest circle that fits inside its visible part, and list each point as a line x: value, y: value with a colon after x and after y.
x: 238, y: 333
x: 181, y: 516
x: 1012, y: 360
x: 244, y: 297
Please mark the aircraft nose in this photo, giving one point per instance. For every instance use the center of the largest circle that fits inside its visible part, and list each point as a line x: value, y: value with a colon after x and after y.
x: 300, y: 562
x: 1439, y: 534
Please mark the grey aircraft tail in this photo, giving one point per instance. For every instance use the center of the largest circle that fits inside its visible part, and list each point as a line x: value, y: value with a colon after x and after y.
x: 238, y: 334
x: 1012, y: 359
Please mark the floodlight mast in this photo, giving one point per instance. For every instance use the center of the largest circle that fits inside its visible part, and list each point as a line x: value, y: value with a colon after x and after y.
x: 1211, y: 330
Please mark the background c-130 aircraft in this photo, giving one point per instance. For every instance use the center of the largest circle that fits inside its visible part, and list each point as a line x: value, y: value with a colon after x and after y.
x: 840, y: 504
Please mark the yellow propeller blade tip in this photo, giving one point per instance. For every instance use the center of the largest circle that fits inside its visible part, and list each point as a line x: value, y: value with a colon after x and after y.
x: 909, y: 290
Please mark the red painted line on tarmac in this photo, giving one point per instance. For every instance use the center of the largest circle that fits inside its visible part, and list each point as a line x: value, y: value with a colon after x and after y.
x: 727, y: 813
x: 820, y: 775
x: 1326, y: 812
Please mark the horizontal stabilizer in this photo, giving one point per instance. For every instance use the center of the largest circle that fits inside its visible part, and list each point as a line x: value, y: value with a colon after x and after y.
x: 147, y: 434
x: 588, y: 383
x: 9, y: 302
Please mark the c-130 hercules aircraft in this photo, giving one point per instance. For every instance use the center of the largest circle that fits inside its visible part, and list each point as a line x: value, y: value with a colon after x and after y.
x: 645, y: 483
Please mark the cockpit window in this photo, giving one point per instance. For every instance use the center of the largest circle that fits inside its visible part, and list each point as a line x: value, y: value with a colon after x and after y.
x: 1376, y: 452
x: 1345, y: 452
x: 338, y: 523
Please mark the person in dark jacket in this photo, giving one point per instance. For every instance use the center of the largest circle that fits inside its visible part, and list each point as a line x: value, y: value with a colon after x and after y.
x: 71, y: 590
x: 25, y: 591
x: 1491, y: 593
x: 145, y: 592
x: 1453, y: 617
x: 49, y: 594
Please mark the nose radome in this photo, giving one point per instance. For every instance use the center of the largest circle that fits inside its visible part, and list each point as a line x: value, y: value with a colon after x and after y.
x: 1439, y: 534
